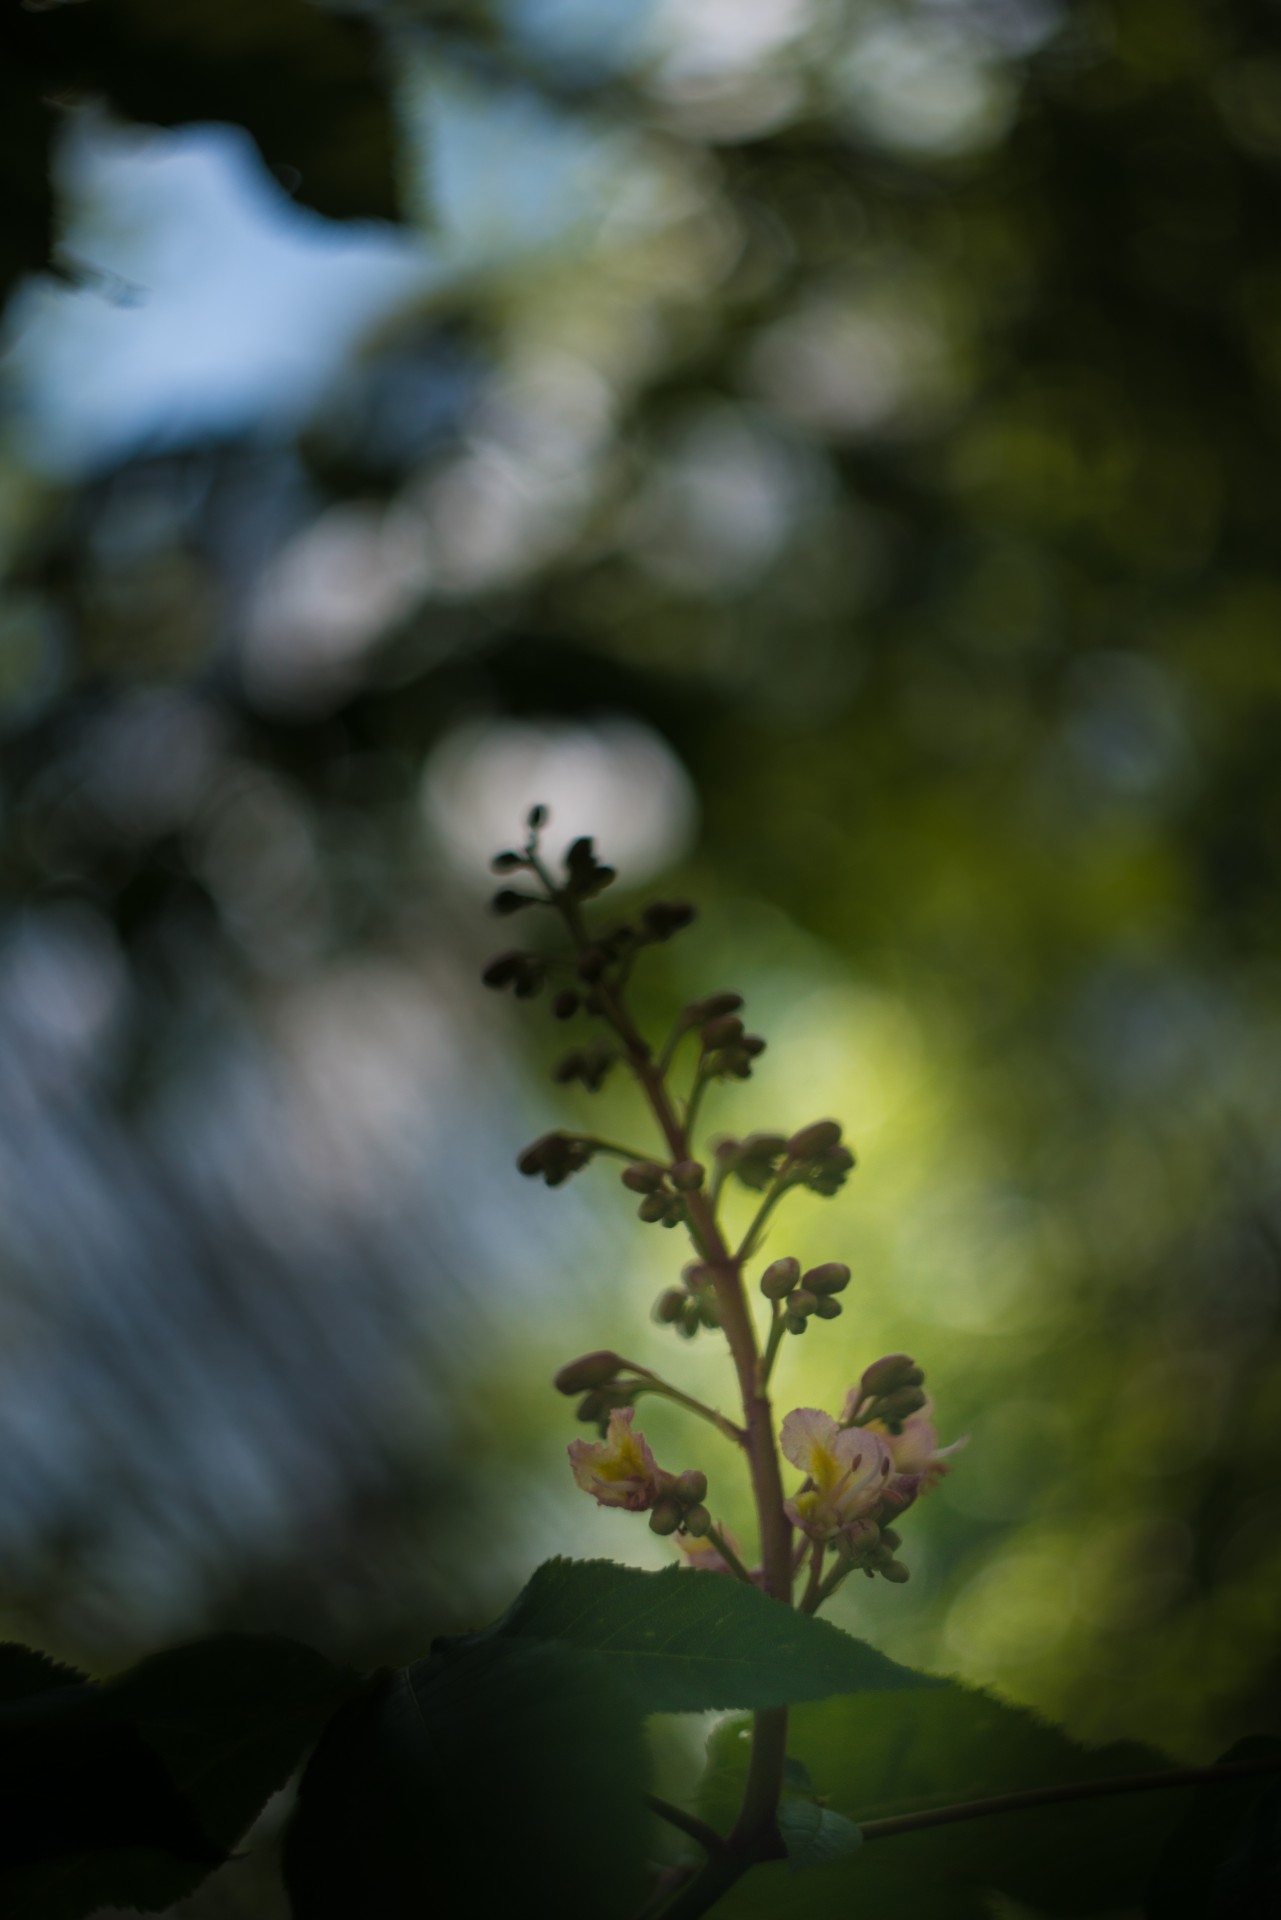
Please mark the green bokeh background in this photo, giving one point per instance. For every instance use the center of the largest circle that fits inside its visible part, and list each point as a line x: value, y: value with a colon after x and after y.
x: 849, y: 478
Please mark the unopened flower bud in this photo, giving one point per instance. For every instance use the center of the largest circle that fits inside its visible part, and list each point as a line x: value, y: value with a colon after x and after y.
x: 698, y: 1521
x: 592, y: 1370
x: 687, y: 1176
x: 753, y: 1045
x: 696, y: 1273
x: 891, y: 1539
x: 884, y: 1375
x: 815, y: 1138
x: 670, y: 1305
x: 502, y: 969
x: 780, y: 1278
x: 509, y: 900
x: 676, y: 1212
x: 591, y: 964
x: 723, y: 1031
x: 714, y: 1007
x: 895, y: 1572
x: 506, y: 862
x: 833, y: 1277
x: 643, y: 1176
x: 828, y: 1309
x: 537, y: 817
x: 691, y: 1486
x: 894, y: 1408
x: 566, y: 1004
x: 653, y: 1208
x: 708, y: 1310
x: 666, y: 1516
x: 802, y: 1302
x: 795, y: 1322
x: 594, y: 1408
x: 663, y: 918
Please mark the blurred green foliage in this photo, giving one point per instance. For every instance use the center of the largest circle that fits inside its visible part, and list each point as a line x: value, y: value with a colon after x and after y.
x: 892, y: 450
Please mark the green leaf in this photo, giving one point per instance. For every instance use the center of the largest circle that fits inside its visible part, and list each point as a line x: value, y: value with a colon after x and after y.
x: 460, y: 1784
x: 1226, y: 1849
x: 131, y: 1792
x: 879, y: 1755
x: 814, y: 1835
x: 689, y: 1642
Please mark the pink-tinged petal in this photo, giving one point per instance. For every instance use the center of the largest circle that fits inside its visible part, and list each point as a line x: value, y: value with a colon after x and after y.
x: 807, y: 1434
x: 916, y: 1445
x: 620, y: 1470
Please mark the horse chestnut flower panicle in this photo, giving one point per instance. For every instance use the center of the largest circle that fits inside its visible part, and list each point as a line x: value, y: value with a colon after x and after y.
x: 620, y: 1470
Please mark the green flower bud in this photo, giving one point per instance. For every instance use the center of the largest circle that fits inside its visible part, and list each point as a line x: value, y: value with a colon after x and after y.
x: 802, y: 1302
x: 753, y: 1045
x: 687, y: 1176
x: 670, y: 1305
x: 891, y: 1539
x: 833, y: 1277
x: 537, y: 817
x: 698, y: 1521
x: 643, y: 1176
x: 508, y: 900
x: 691, y: 1486
x: 894, y: 1408
x: 828, y: 1309
x: 591, y: 964
x: 780, y: 1278
x: 592, y: 1370
x: 795, y: 1322
x: 713, y: 1007
x: 883, y: 1376
x: 566, y: 1004
x: 506, y: 862
x: 708, y: 1310
x: 815, y: 1138
x: 666, y: 1516
x: 676, y: 1212
x: 653, y: 1208
x: 690, y: 1321
x: 663, y: 918
x: 722, y: 1032
x: 896, y: 1572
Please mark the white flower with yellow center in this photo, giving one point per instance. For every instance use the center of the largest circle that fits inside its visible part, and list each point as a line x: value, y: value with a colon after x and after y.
x: 846, y: 1469
x: 620, y: 1470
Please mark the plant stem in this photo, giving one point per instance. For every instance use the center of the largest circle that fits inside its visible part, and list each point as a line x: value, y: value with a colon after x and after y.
x: 773, y: 1344
x: 763, y: 1212
x: 707, y: 1837
x: 728, y: 1555
x: 813, y: 1595
x: 718, y: 1420
x: 1050, y: 1796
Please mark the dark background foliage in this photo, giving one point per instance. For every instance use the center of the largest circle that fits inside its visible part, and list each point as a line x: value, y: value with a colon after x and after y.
x: 827, y: 451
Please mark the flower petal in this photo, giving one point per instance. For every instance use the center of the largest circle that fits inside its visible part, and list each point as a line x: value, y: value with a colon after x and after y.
x: 806, y: 1434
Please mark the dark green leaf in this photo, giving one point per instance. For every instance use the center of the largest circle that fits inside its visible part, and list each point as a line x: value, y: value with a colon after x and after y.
x: 129, y: 1793
x: 687, y: 1642
x: 1226, y: 1847
x: 814, y: 1835
x: 460, y: 1784
x: 878, y: 1755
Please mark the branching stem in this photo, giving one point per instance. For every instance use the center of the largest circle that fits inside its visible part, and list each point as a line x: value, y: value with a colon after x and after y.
x: 1051, y: 1796
x: 689, y: 1823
